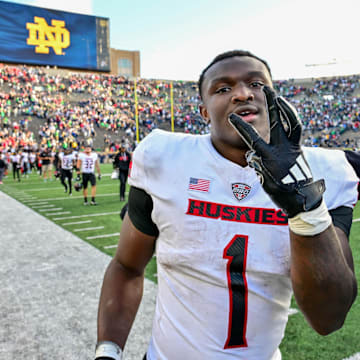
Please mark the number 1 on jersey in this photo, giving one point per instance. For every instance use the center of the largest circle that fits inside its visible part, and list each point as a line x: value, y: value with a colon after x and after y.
x: 235, y: 252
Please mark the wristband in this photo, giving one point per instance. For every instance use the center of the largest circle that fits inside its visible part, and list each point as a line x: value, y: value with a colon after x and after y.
x: 312, y: 222
x: 108, y: 349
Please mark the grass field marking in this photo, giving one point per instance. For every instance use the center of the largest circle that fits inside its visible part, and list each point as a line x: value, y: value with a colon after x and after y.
x: 102, y: 236
x: 293, y: 311
x: 89, y: 228
x: 59, y: 213
x: 87, y: 215
x: 110, y: 246
x: 356, y: 220
x: 77, y: 222
x: 59, y: 188
x: 354, y: 357
x: 54, y: 209
x: 37, y: 203
x: 43, y: 206
x: 79, y: 197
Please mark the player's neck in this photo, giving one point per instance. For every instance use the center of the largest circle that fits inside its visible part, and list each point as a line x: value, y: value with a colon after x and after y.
x: 236, y: 155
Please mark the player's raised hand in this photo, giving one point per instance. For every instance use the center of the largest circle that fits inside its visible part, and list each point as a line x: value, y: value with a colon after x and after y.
x: 281, y: 165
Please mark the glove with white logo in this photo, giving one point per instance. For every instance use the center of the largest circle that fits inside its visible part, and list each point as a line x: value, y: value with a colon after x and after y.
x: 280, y: 164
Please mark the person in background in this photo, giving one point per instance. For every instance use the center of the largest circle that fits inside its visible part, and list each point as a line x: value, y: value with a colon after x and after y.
x: 3, y: 167
x: 86, y: 165
x: 122, y: 162
x: 66, y: 164
x: 46, y: 163
x: 251, y: 219
x: 16, y: 165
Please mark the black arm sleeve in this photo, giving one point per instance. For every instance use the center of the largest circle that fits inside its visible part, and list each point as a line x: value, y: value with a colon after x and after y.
x: 353, y: 158
x: 140, y: 206
x: 342, y: 218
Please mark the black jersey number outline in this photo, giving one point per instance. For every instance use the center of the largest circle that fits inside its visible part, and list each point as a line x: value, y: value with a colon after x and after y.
x: 236, y: 252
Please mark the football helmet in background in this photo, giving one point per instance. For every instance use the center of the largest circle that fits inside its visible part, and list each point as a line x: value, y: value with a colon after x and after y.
x: 78, y: 186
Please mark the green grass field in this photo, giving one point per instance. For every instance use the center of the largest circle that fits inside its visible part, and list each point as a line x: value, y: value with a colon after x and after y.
x: 100, y: 226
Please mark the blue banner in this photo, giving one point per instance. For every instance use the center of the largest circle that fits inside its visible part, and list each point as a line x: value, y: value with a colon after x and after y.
x: 34, y: 35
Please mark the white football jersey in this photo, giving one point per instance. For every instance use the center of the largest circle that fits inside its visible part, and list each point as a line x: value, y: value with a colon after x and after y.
x: 223, y: 255
x: 67, y: 161
x: 88, y: 162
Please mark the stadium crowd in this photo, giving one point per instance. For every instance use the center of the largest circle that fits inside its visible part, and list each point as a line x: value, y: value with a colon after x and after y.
x: 43, y: 108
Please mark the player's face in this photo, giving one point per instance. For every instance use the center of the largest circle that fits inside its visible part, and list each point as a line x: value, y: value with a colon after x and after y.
x: 234, y: 85
x: 87, y: 150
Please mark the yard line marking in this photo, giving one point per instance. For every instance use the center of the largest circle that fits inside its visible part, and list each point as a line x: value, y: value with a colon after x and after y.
x: 59, y: 189
x: 54, y: 209
x: 292, y: 311
x: 87, y: 215
x: 110, y: 246
x: 59, y: 213
x: 354, y: 357
x: 80, y: 197
x: 89, y: 228
x: 101, y: 236
x: 43, y: 206
x: 37, y: 203
x: 355, y: 220
x: 78, y: 222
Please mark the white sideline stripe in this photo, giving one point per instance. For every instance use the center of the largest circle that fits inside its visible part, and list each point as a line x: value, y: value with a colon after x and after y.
x: 78, y: 222
x: 59, y: 213
x: 79, y: 197
x: 89, y: 228
x: 37, y: 203
x: 54, y: 209
x: 110, y: 246
x: 102, y: 236
x: 82, y: 216
x: 62, y: 189
x: 354, y: 357
x: 43, y: 206
x: 356, y: 220
x: 292, y: 311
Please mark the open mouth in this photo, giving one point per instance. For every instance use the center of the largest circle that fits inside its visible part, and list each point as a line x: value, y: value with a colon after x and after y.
x: 247, y: 114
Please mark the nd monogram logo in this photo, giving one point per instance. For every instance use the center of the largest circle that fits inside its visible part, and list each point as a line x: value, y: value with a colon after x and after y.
x: 44, y: 36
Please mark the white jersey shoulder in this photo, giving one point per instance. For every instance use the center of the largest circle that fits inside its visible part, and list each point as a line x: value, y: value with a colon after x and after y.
x: 340, y: 177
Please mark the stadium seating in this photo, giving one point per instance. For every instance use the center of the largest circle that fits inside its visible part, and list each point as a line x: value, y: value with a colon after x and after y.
x: 42, y: 106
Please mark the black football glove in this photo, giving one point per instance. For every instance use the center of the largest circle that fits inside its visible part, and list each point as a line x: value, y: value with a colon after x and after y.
x: 99, y: 176
x: 281, y: 165
x: 77, y: 178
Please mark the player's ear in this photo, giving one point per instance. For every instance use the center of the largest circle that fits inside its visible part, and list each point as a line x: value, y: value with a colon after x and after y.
x: 204, y: 113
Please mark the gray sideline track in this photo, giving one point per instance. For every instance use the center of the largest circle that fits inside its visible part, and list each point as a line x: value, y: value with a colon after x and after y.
x: 50, y: 286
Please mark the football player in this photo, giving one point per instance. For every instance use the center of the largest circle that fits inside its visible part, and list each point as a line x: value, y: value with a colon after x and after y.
x: 86, y: 165
x: 251, y: 219
x: 66, y: 163
x: 122, y: 162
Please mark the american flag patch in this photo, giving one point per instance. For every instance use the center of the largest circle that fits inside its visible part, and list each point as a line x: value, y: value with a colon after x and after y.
x: 199, y: 184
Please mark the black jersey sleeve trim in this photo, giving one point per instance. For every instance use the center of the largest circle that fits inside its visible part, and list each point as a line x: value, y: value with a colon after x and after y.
x: 353, y: 157
x: 342, y: 218
x: 140, y: 206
